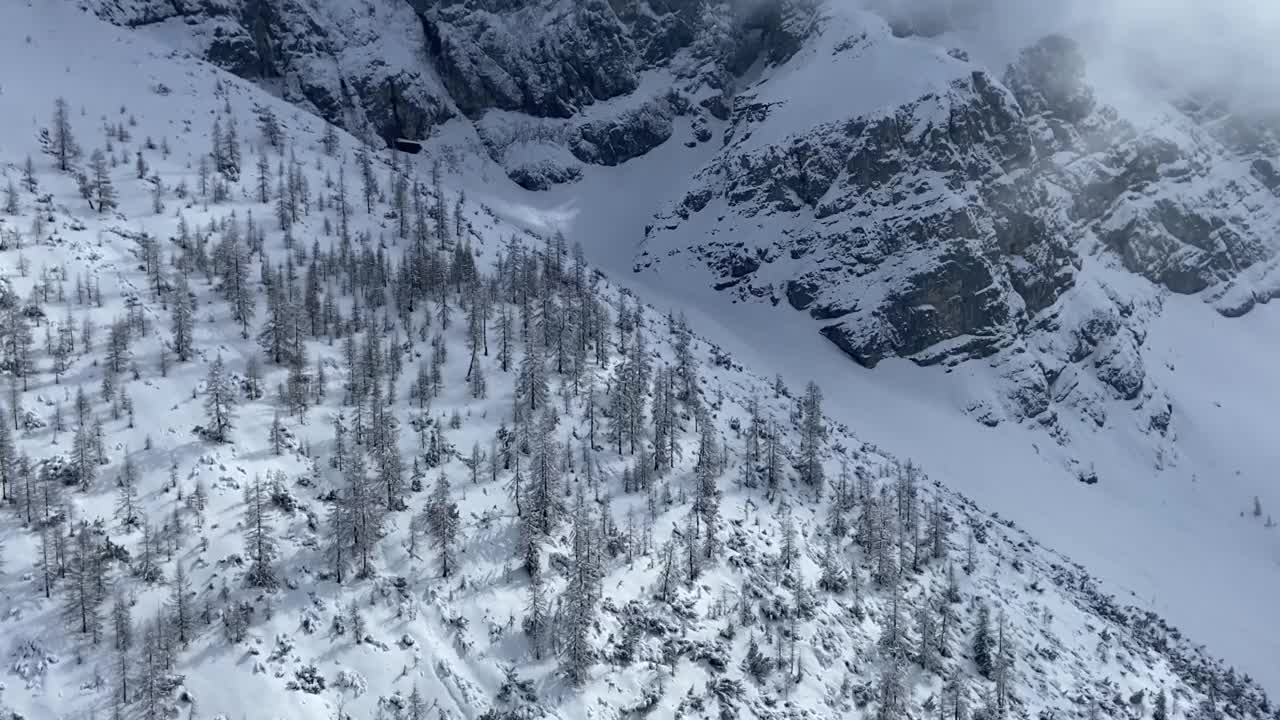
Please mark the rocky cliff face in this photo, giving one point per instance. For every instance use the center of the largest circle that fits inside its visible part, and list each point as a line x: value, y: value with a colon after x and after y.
x: 954, y: 221
x: 401, y: 68
x: 914, y: 203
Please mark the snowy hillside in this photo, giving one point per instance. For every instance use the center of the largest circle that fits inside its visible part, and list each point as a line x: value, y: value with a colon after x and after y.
x: 293, y: 429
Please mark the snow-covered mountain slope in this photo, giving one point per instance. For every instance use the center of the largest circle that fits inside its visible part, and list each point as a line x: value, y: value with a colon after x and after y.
x: 1020, y: 229
x: 723, y: 579
x: 1169, y: 521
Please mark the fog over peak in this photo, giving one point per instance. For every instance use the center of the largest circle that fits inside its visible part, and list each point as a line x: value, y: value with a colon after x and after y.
x: 1154, y: 49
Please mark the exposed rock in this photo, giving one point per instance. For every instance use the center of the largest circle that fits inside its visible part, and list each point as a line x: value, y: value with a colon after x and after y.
x: 487, y: 57
x: 630, y: 134
x: 953, y: 226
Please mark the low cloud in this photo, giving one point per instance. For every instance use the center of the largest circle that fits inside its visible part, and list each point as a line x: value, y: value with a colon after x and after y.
x: 1164, y: 47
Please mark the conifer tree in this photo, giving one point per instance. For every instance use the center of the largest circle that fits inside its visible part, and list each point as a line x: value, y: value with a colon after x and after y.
x: 536, y: 616
x: 892, y: 689
x: 219, y: 402
x: 29, y: 182
x: 773, y: 457
x: 1003, y: 664
x: 532, y: 386
x: 259, y: 538
x: 581, y: 594
x: 544, y: 493
x: 127, y: 497
x: 834, y: 578
x: 122, y: 642
x: 812, y: 433
x: 443, y: 523
x: 84, y: 459
x: 706, y: 503
x: 276, y: 434
x: 1160, y: 711
x: 84, y: 586
x: 364, y: 510
x: 926, y: 629
x: 61, y: 143
x: 11, y: 198
x: 329, y: 140
x: 101, y: 191
x: 8, y: 459
x: 340, y: 535
x: 983, y: 655
x: 181, y: 613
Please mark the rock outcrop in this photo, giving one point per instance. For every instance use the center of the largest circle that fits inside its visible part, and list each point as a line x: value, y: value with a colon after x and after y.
x: 953, y: 224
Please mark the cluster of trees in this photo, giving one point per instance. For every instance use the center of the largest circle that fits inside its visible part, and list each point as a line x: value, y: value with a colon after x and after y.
x: 595, y: 379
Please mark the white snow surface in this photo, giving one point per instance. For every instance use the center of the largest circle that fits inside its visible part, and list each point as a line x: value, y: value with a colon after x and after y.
x: 1177, y: 539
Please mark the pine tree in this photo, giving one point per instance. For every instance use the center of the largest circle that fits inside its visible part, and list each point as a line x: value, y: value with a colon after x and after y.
x: 329, y: 140
x: 812, y: 433
x: 983, y: 657
x: 46, y: 559
x: 443, y: 523
x: 926, y: 629
x: 219, y: 401
x: 84, y: 459
x: 369, y: 183
x: 231, y: 150
x: 1161, y: 709
x: 276, y: 434
x: 364, y: 510
x: 954, y: 689
x: 536, y: 621
x: 532, y: 386
x: 756, y: 663
x: 181, y: 614
x: 952, y: 592
x: 706, y: 503
x: 233, y: 259
x: 19, y: 351
x: 788, y: 552
x: 84, y: 586
x: 127, y: 498
x: 29, y: 182
x: 8, y: 459
x: 833, y: 577
x: 259, y: 540
x: 122, y: 641
x: 892, y: 690
x: 264, y: 181
x: 269, y: 126
x: 1003, y: 664
x: 102, y: 193
x: 11, y: 198
x: 340, y: 536
x: 61, y: 142
x: 544, y: 493
x: 355, y: 619
x: 773, y: 457
x: 578, y: 653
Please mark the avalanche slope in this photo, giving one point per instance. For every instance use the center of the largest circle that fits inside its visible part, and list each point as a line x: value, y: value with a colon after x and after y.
x: 1169, y: 523
x: 664, y: 641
